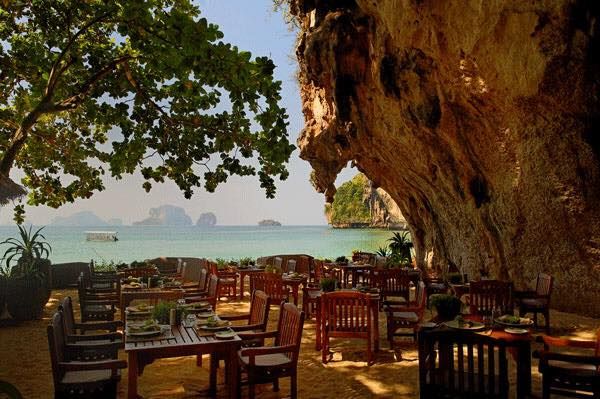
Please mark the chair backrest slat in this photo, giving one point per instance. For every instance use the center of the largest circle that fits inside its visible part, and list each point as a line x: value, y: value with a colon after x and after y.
x: 488, y: 295
x: 259, y: 309
x: 290, y: 325
x: 544, y: 285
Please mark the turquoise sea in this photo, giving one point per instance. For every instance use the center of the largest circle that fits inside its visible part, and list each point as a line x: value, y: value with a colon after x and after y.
x: 138, y: 243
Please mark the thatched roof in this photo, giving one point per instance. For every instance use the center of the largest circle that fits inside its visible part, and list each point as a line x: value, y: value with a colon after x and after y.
x: 9, y: 190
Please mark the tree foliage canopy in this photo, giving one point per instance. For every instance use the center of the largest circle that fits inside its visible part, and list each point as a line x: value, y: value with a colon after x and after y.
x: 90, y: 87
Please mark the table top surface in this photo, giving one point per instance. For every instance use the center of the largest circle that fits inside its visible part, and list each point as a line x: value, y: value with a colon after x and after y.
x: 178, y: 336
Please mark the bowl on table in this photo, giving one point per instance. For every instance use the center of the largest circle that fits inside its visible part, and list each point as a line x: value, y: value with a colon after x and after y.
x: 511, y: 321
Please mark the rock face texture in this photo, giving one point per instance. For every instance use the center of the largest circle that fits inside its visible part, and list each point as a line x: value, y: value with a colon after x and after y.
x: 207, y: 219
x: 166, y: 215
x: 480, y: 119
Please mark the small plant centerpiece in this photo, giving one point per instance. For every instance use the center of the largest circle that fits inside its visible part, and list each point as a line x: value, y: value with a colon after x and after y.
x: 454, y: 278
x: 105, y: 266
x: 29, y: 278
x: 222, y: 264
x: 273, y: 269
x: 328, y: 284
x: 162, y: 312
x: 355, y: 255
x: 246, y: 262
x: 446, y: 306
x: 341, y: 260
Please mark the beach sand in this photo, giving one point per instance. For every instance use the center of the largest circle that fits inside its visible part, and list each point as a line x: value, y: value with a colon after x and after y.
x: 25, y: 362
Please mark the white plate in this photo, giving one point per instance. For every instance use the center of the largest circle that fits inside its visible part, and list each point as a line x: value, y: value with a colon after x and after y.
x: 227, y: 334
x: 518, y: 331
x: 205, y: 315
x: 207, y: 328
x: 144, y: 333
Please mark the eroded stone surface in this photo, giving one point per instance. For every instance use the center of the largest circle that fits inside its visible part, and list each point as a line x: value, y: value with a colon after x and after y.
x: 480, y: 119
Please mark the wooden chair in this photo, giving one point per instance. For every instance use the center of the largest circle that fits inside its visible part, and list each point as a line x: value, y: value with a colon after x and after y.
x: 459, y: 364
x: 407, y: 316
x: 392, y: 283
x: 211, y: 293
x: 272, y: 284
x: 537, y: 301
x: 95, y: 305
x: 278, y: 262
x: 291, y: 266
x: 434, y: 285
x: 76, y: 332
x: 256, y: 321
x: 228, y: 281
x: 567, y: 374
x: 268, y: 364
x: 346, y: 314
x: 74, y: 378
x: 199, y: 287
x: 140, y: 272
x: 303, y: 265
x: 486, y: 296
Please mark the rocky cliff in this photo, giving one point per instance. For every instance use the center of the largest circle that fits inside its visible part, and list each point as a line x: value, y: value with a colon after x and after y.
x: 357, y: 203
x: 166, y: 215
x: 207, y: 219
x: 479, y: 118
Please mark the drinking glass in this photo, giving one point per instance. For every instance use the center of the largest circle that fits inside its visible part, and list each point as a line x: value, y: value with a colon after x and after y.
x: 190, y: 320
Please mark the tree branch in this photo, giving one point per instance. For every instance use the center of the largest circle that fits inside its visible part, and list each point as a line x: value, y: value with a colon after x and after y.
x: 75, y: 100
x: 55, y: 72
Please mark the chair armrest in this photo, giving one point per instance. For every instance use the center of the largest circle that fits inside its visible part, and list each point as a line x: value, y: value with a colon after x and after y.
x: 97, y: 346
x: 553, y: 341
x: 235, y: 317
x: 95, y: 337
x: 256, y: 335
x: 112, y: 302
x: 99, y: 365
x: 545, y: 356
x: 267, y: 350
x: 250, y: 327
x: 101, y: 325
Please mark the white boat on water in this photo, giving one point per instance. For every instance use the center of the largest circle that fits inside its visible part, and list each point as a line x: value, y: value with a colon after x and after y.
x: 101, y: 236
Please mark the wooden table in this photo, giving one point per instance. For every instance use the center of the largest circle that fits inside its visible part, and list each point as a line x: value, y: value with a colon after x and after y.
x: 350, y: 269
x: 319, y: 334
x: 247, y: 272
x: 183, y: 341
x: 127, y: 296
x: 292, y: 282
x: 520, y: 348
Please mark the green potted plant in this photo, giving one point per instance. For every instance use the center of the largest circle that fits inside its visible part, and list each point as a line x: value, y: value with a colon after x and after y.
x: 446, y: 306
x: 222, y: 264
x: 342, y: 260
x: 328, y: 284
x: 162, y: 312
x: 454, y: 278
x: 29, y: 279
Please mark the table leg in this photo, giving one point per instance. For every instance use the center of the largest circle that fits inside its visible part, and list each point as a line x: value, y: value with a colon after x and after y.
x: 232, y: 371
x: 375, y: 308
x: 214, y: 363
x: 242, y: 278
x: 318, y: 325
x: 524, y: 370
x: 132, y: 375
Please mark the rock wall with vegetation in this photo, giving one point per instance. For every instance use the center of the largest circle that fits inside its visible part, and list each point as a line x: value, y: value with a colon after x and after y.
x: 480, y: 119
x: 357, y: 203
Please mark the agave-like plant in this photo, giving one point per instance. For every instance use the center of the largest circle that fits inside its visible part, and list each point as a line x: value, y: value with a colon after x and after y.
x: 383, y: 251
x: 400, y: 244
x: 31, y: 246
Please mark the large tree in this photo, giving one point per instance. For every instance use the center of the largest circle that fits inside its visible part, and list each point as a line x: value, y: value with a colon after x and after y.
x: 93, y: 86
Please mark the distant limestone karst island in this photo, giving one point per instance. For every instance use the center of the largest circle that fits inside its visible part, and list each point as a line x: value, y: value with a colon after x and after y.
x: 269, y: 222
x: 207, y: 219
x: 84, y: 218
x: 166, y: 215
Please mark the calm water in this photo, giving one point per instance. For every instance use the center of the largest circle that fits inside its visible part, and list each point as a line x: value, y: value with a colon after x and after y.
x: 138, y: 243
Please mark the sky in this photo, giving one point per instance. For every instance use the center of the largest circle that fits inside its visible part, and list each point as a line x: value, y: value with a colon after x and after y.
x: 255, y: 27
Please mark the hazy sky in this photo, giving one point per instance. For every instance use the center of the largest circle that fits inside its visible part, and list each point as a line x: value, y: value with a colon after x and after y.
x: 253, y: 26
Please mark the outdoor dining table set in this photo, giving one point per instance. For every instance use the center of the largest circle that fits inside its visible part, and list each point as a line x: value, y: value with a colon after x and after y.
x: 187, y: 338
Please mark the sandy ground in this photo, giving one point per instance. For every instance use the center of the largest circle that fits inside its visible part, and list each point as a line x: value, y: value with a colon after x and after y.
x: 25, y: 362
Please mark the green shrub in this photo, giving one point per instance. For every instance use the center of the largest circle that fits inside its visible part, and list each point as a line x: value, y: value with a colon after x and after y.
x: 328, y: 284
x: 447, y: 306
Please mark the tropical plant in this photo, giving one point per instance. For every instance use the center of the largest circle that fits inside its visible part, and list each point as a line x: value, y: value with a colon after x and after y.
x: 383, y: 251
x: 26, y: 250
x: 162, y: 312
x: 221, y: 263
x: 341, y: 259
x: 446, y: 306
x: 183, y: 104
x: 105, y: 265
x: 328, y: 284
x: 246, y: 261
x: 400, y: 244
